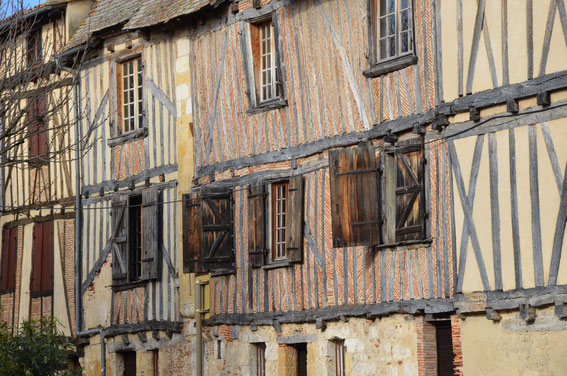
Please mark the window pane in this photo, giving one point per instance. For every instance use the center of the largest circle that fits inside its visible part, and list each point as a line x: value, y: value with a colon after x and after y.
x: 404, y: 4
x: 392, y: 25
x: 404, y: 42
x: 382, y: 7
x: 391, y: 6
x: 392, y: 43
x: 405, y: 19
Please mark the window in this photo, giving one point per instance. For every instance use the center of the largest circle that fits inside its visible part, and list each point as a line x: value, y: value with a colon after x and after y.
x: 135, y: 239
x: 260, y: 359
x: 38, y: 145
x: 136, y: 223
x: 265, y: 80
x: 301, y: 353
x: 339, y: 345
x: 130, y: 95
x: 42, y: 259
x: 363, y: 192
x: 9, y: 255
x: 155, y: 361
x: 129, y: 361
x: 279, y: 220
x: 392, y: 36
x: 34, y: 47
x: 445, y: 354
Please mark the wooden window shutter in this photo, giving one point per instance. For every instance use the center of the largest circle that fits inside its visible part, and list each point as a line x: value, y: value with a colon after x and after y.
x: 9, y: 254
x: 120, y: 239
x: 37, y: 257
x: 294, y: 242
x: 151, y: 222
x: 257, y: 225
x: 410, y: 218
x: 192, y: 233
x: 354, y: 196
x: 47, y: 257
x: 218, y: 232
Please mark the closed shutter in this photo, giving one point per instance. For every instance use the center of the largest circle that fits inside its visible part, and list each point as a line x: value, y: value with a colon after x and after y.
x: 47, y: 257
x: 257, y: 225
x: 294, y: 242
x: 120, y: 239
x: 151, y: 221
x: 410, y: 223
x: 354, y: 196
x: 37, y: 256
x: 38, y: 141
x: 217, y: 222
x: 192, y: 233
x: 9, y: 254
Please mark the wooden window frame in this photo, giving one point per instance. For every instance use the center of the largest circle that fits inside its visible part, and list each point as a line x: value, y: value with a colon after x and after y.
x: 34, y: 50
x: 9, y: 259
x: 38, y: 132
x: 253, y: 64
x: 340, y: 349
x: 138, y: 119
x: 260, y: 349
x: 379, y: 65
x: 277, y: 253
x: 135, y: 238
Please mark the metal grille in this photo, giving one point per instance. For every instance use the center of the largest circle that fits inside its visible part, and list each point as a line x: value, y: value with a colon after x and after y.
x: 268, y: 66
x: 260, y: 359
x: 280, y: 193
x: 395, y: 28
x: 132, y: 94
x: 340, y: 357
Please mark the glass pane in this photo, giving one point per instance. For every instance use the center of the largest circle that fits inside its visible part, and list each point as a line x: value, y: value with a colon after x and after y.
x: 391, y: 6
x: 392, y: 42
x: 382, y: 7
x: 383, y: 49
x: 405, y: 4
x: 392, y: 25
x: 383, y: 26
x: 404, y: 42
x: 405, y: 20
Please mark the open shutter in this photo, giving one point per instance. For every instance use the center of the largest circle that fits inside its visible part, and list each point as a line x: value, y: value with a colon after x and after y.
x: 354, y: 196
x: 37, y: 256
x: 192, y: 233
x: 294, y: 242
x: 6, y: 260
x: 13, y: 247
x: 257, y: 225
x: 42, y: 136
x: 410, y: 221
x: 217, y: 220
x: 150, y: 234
x: 120, y: 240
x: 47, y: 257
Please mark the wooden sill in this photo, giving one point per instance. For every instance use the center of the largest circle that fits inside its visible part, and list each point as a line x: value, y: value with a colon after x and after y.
x: 221, y: 272
x: 129, y: 136
x: 7, y: 291
x: 41, y: 294
x: 383, y: 67
x: 422, y: 242
x: 129, y: 285
x: 267, y: 106
x: 277, y: 264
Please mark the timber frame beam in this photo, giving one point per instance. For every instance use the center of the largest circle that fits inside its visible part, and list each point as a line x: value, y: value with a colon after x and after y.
x: 547, y: 83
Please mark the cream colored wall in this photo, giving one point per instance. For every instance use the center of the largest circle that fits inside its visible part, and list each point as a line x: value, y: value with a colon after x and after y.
x: 517, y: 43
x: 549, y: 204
x: 512, y: 348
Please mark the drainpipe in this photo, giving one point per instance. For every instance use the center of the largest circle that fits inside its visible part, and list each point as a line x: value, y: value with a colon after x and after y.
x: 199, y: 311
x: 79, y: 219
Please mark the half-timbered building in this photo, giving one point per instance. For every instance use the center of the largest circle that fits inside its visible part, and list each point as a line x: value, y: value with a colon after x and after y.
x: 378, y: 187
x: 37, y: 174
x: 128, y: 272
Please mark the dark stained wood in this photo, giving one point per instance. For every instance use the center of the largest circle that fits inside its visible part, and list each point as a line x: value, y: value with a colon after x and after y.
x: 192, y: 230
x: 120, y: 240
x: 294, y: 243
x: 42, y: 258
x: 218, y: 229
x: 151, y: 223
x: 354, y: 196
x: 9, y: 256
x: 410, y: 223
x: 37, y: 255
x: 256, y: 225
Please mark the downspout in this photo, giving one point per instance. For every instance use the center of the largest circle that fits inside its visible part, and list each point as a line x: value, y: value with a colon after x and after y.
x: 79, y: 220
x: 199, y: 311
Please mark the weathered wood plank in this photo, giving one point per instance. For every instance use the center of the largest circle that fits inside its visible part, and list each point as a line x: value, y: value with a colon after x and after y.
x: 535, y: 205
x: 559, y: 235
x: 460, y: 58
x: 547, y: 36
x: 495, y: 210
x: 552, y: 155
x: 489, y: 53
x: 530, y: 37
x: 161, y: 97
x: 475, y: 44
x: 504, y: 36
x: 514, y: 210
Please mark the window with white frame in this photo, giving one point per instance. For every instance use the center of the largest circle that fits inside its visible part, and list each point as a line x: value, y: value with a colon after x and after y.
x: 130, y: 95
x: 268, y: 67
x: 395, y: 25
x: 279, y: 219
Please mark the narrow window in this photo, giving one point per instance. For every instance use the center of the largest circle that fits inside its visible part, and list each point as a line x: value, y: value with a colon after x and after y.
x: 445, y: 354
x: 34, y: 47
x: 219, y: 349
x: 279, y: 219
x: 260, y: 359
x: 37, y: 128
x: 42, y: 259
x: 301, y: 352
x: 9, y: 254
x: 268, y: 62
x: 339, y: 357
x: 130, y: 96
x: 155, y: 361
x: 135, y: 239
x: 129, y: 358
x: 395, y: 28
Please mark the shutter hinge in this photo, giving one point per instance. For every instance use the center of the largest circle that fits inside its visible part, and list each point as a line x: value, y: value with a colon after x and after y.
x: 149, y: 259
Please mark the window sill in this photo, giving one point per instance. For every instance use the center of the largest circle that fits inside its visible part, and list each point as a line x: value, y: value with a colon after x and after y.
x: 422, y: 242
x: 129, y: 286
x: 221, y: 272
x: 129, y: 136
x: 7, y: 291
x: 386, y: 66
x: 267, y: 106
x: 277, y: 265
